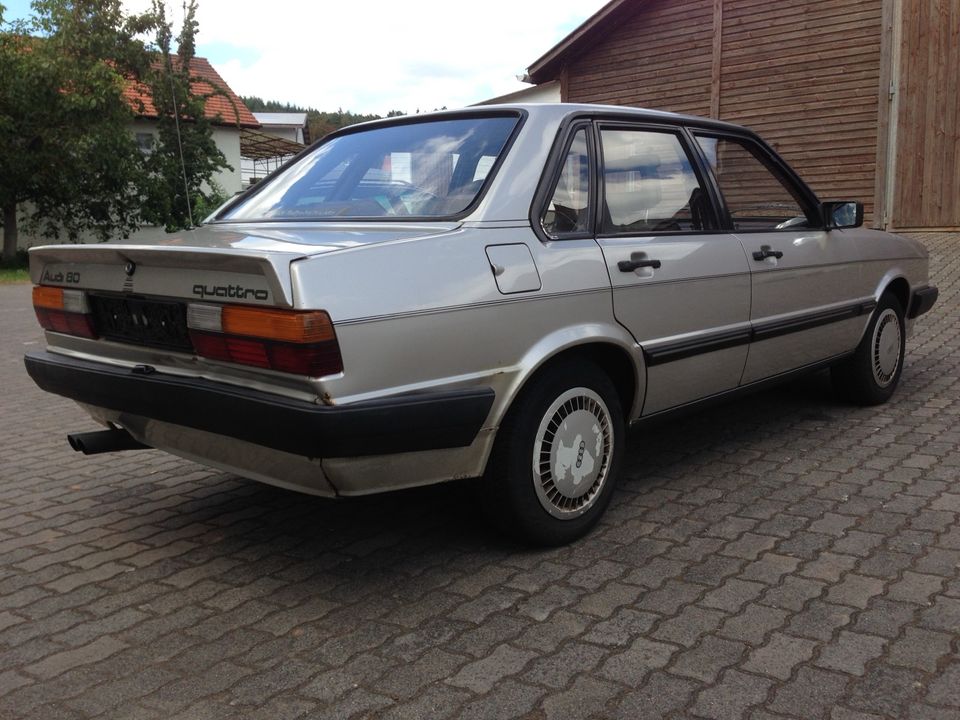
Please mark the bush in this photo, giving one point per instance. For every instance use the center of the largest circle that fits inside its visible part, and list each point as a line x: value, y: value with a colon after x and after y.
x: 20, y: 262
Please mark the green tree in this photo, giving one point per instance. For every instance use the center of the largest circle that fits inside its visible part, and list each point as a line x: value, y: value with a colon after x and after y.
x: 185, y: 158
x: 68, y: 162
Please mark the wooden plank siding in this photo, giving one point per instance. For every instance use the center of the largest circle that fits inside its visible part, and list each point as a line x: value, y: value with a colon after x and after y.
x: 803, y: 73
x: 658, y: 55
x: 927, y: 184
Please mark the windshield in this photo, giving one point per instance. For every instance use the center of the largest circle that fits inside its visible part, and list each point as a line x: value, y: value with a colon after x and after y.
x: 425, y: 169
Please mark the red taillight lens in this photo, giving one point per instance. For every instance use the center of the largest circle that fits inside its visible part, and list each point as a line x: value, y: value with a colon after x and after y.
x: 316, y: 354
x: 63, y: 311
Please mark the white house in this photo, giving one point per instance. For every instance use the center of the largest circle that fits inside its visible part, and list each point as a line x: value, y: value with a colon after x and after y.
x: 230, y: 118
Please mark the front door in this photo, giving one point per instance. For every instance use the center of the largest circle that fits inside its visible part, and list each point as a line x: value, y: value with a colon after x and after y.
x: 680, y: 286
x: 806, y: 304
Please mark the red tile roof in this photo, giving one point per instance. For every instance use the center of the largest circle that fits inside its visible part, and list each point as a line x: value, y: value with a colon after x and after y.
x: 221, y: 110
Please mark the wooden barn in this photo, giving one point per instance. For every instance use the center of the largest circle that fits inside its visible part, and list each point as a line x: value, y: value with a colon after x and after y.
x: 862, y: 97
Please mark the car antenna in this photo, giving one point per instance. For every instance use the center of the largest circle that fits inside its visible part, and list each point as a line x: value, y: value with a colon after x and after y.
x: 176, y: 120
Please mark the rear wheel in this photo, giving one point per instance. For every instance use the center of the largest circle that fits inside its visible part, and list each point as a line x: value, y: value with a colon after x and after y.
x: 557, y: 455
x: 871, y: 374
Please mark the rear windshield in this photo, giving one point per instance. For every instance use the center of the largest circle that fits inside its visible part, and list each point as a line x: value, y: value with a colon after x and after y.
x: 423, y: 169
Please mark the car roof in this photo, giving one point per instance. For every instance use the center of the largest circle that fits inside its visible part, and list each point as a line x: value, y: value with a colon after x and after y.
x: 556, y: 112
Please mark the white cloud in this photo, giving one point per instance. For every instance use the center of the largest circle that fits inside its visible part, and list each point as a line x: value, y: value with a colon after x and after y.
x: 378, y: 56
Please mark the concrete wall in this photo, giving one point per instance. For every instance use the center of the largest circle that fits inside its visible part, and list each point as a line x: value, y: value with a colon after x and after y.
x: 228, y: 140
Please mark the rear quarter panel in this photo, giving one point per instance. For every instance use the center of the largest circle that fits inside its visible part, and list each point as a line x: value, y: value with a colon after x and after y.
x: 427, y: 314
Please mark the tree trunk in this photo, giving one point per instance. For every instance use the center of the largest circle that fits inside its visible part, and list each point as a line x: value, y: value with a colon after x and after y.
x: 10, y: 233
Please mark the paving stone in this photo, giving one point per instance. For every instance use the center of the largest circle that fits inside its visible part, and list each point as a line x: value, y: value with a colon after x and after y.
x: 920, y: 649
x: 749, y: 546
x: 632, y: 665
x: 814, y: 690
x: 850, y: 652
x: 658, y: 697
x: 943, y: 615
x: 828, y: 566
x: 510, y: 699
x: 915, y: 588
x: 557, y: 669
x: 580, y: 701
x: 689, y: 625
x: 855, y: 590
x: 481, y: 675
x: 945, y: 689
x: 770, y: 568
x: 792, y: 594
x: 884, y: 617
x: 60, y: 662
x: 780, y: 656
x: 620, y: 629
x: 753, y: 623
x: 733, y: 595
x: 885, y: 691
x: 606, y: 601
x: 731, y: 697
x: 708, y: 659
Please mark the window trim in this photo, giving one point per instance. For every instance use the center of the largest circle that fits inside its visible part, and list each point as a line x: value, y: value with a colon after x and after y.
x: 776, y: 165
x: 693, y: 157
x: 551, y: 176
x: 519, y: 114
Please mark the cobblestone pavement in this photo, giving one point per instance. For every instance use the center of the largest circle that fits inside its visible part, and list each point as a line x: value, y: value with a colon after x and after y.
x: 781, y: 556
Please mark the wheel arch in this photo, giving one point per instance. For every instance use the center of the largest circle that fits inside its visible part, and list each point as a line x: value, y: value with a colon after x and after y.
x: 900, y: 288
x: 613, y: 352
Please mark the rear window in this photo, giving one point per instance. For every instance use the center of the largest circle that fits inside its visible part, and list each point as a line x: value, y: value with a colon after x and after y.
x: 428, y: 169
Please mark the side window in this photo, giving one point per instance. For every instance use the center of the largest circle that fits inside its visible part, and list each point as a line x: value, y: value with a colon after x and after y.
x: 649, y: 184
x: 569, y: 208
x: 757, y: 197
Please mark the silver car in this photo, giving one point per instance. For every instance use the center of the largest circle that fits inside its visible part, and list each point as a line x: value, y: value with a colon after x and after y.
x: 490, y: 293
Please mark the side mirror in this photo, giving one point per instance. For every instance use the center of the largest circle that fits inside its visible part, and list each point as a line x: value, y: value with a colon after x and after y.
x: 842, y: 214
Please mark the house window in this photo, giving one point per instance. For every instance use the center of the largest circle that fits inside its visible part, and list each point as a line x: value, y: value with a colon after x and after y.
x: 145, y: 142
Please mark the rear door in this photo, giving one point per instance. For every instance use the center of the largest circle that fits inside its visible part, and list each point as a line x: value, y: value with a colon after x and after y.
x: 805, y: 279
x: 680, y: 286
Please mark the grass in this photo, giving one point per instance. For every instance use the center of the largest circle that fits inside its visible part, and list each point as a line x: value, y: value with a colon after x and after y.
x: 15, y: 272
x: 13, y: 275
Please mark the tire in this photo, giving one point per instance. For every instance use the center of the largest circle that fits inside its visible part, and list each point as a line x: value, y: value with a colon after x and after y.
x: 543, y: 484
x: 871, y: 374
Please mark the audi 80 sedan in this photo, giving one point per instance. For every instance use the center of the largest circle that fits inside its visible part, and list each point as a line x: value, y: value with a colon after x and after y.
x: 491, y: 293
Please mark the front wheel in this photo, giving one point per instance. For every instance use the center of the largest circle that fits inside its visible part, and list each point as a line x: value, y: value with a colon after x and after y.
x: 554, y: 465
x: 871, y: 374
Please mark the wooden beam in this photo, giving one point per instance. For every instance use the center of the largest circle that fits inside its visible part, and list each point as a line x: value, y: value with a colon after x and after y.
x: 717, y: 59
x: 885, y: 121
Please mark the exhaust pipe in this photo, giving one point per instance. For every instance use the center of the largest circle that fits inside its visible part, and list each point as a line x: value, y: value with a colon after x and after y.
x: 102, y: 441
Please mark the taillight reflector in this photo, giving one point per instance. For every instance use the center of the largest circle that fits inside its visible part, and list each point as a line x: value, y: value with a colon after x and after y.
x: 292, y: 341
x: 63, y: 311
x: 314, y: 360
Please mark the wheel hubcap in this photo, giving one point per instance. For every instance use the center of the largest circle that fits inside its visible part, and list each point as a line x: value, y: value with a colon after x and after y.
x: 571, y: 453
x: 886, y: 347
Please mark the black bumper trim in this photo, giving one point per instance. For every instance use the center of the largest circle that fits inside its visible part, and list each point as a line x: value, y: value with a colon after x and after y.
x: 921, y: 300
x: 402, y: 423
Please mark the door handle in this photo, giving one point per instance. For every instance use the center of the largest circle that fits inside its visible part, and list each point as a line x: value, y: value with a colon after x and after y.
x: 631, y: 265
x: 766, y: 251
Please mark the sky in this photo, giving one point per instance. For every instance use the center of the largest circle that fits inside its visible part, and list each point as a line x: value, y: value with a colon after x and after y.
x: 374, y: 56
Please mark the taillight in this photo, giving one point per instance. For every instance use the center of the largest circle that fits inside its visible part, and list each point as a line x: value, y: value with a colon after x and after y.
x: 290, y: 341
x: 63, y: 311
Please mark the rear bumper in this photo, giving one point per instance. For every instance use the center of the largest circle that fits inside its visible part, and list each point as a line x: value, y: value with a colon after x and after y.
x: 402, y: 423
x: 921, y: 300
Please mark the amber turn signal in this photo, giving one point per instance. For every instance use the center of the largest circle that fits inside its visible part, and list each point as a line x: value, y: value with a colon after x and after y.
x: 50, y: 298
x: 311, y: 326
